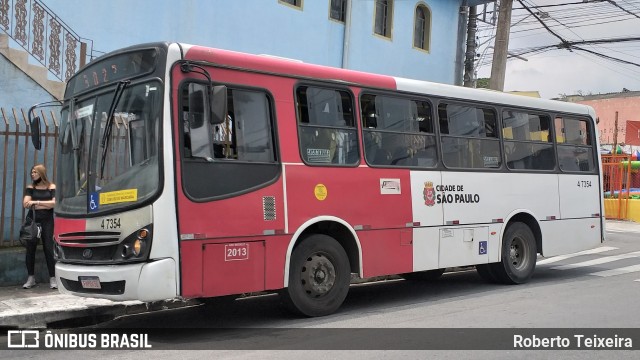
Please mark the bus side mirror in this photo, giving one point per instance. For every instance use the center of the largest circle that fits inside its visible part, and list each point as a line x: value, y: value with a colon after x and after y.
x: 34, y: 125
x: 218, y: 104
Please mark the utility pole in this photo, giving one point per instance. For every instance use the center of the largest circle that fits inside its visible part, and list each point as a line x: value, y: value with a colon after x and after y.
x: 470, y: 56
x: 615, y: 135
x: 499, y: 65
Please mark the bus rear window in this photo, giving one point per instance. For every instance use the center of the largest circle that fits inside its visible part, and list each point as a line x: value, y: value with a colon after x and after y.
x: 575, y: 150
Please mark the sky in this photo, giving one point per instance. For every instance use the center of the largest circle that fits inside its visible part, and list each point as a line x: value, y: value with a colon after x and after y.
x: 557, y: 72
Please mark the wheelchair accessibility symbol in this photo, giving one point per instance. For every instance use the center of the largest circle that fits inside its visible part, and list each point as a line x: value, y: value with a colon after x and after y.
x: 482, y: 247
x: 93, y: 201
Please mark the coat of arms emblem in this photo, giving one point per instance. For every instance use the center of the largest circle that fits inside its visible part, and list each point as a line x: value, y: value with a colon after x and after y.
x: 428, y: 194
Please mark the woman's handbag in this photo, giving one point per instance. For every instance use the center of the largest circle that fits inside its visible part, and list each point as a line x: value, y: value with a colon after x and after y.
x: 30, y: 230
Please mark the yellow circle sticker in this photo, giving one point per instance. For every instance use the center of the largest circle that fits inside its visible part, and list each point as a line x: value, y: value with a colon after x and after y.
x: 320, y: 191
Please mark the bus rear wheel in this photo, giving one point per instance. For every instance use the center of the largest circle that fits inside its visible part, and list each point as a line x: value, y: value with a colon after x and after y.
x: 518, y: 255
x: 319, y: 277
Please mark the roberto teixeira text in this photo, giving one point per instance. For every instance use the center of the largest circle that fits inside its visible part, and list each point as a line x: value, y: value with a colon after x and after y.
x: 576, y: 341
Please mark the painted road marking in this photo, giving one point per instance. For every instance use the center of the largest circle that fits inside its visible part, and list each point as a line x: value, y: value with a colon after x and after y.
x: 599, y: 261
x: 586, y: 252
x: 619, y: 271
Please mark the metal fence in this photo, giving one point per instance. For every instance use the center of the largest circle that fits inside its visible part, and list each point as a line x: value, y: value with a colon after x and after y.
x: 620, y: 181
x: 39, y: 31
x: 18, y: 158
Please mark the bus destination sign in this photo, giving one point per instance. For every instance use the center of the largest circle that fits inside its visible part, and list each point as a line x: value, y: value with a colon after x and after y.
x: 115, y: 68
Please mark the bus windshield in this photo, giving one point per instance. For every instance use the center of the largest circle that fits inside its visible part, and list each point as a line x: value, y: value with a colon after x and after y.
x: 94, y: 179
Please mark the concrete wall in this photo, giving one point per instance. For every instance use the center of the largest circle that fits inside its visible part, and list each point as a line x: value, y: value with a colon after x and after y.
x: 17, y: 90
x: 13, y: 270
x: 270, y: 27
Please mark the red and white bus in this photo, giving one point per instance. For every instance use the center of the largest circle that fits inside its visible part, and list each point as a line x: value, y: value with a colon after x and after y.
x: 192, y: 172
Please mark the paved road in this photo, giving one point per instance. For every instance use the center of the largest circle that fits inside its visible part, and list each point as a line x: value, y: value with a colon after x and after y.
x: 593, y: 289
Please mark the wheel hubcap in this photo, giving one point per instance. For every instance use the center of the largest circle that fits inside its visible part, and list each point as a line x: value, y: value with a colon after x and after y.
x: 517, y: 253
x: 318, y: 275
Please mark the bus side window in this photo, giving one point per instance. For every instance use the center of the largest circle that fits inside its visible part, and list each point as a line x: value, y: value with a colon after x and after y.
x: 575, y: 150
x: 527, y: 141
x: 239, y: 152
x: 397, y: 131
x: 326, y: 127
x: 469, y: 137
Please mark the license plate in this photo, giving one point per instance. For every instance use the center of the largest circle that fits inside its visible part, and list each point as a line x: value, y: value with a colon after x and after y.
x: 90, y: 282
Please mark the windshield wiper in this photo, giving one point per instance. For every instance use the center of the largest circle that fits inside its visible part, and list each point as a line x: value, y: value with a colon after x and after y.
x: 104, y: 143
x: 75, y: 143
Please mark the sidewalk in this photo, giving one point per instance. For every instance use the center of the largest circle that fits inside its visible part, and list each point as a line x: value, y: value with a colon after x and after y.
x: 622, y: 226
x: 38, y: 307
x: 42, y: 307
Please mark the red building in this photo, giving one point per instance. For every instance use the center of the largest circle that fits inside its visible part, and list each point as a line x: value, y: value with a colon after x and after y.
x: 626, y: 104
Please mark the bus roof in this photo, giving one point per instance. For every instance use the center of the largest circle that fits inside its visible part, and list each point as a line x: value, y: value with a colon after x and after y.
x: 288, y: 67
x: 295, y: 68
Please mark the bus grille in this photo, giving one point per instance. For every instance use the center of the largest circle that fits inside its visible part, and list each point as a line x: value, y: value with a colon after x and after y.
x: 88, y: 254
x: 97, y: 246
x: 91, y: 237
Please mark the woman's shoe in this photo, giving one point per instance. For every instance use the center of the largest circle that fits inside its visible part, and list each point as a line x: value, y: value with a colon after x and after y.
x: 53, y: 283
x: 31, y: 282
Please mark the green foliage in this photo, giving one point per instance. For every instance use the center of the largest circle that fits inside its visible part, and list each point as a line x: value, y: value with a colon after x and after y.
x: 482, y: 83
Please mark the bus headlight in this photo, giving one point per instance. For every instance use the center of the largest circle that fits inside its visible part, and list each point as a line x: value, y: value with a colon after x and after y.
x: 137, y: 247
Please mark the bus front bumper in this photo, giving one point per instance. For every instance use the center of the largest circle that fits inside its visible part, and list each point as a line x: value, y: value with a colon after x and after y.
x: 153, y: 281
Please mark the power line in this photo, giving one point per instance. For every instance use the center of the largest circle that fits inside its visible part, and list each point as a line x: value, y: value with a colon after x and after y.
x: 542, y: 22
x: 621, y: 8
x: 571, y: 45
x: 607, y: 56
x: 554, y: 5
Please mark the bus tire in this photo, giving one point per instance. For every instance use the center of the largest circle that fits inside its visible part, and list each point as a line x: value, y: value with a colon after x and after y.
x: 319, y: 277
x: 518, y: 255
x: 485, y: 272
x: 429, y: 275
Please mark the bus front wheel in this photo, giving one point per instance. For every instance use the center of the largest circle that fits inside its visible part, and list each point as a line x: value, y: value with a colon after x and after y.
x: 319, y: 277
x: 518, y: 255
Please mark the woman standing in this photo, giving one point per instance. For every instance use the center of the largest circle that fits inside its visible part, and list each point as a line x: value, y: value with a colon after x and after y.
x: 41, y: 193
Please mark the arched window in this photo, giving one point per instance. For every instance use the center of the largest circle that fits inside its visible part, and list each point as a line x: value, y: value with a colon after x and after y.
x: 383, y: 17
x: 422, y: 28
